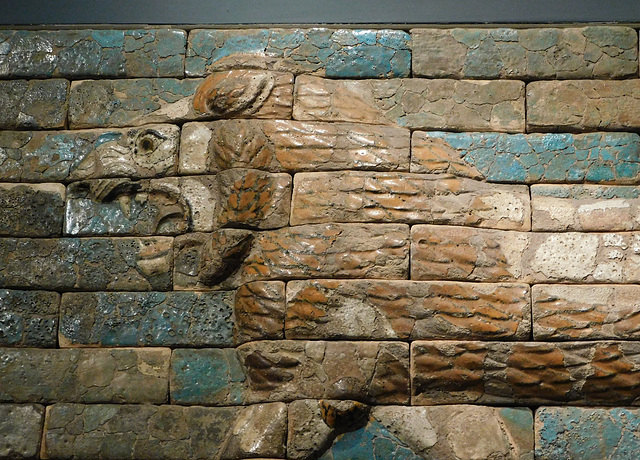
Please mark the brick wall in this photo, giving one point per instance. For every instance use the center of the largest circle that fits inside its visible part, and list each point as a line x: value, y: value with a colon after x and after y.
x: 314, y: 243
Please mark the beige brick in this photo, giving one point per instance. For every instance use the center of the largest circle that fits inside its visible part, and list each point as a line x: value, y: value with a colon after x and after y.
x: 410, y: 198
x: 583, y: 105
x: 540, y: 53
x: 582, y: 312
x: 585, y: 208
x: 459, y: 253
x: 463, y: 105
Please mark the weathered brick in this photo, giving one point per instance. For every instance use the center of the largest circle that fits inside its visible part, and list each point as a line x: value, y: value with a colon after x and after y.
x: 44, y: 156
x: 131, y: 102
x: 148, y: 207
x: 373, y: 310
x: 230, y: 258
x: 585, y: 208
x: 541, y: 53
x: 529, y: 158
x: 460, y: 253
x: 140, y: 264
x: 31, y: 210
x: 354, y: 196
x: 457, y: 105
x: 285, y: 145
x: 129, y: 319
x: 92, y: 53
x: 286, y: 370
x: 259, y: 311
x: 339, y: 53
x: 586, y: 433
x: 583, y: 105
x: 254, y: 198
x: 33, y: 104
x: 134, y: 102
x: 411, y: 433
x: 582, y: 312
x: 598, y: 373
x: 130, y: 431
x: 84, y: 375
x: 20, y: 430
x: 28, y: 318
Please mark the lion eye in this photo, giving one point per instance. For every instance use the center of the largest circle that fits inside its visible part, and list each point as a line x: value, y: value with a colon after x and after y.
x: 148, y: 141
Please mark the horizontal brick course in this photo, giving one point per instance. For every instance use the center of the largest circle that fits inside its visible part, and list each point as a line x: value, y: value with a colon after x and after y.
x: 410, y: 198
x: 92, y: 53
x: 529, y: 158
x: 596, y: 373
x: 583, y: 105
x: 91, y: 264
x: 541, y: 53
x: 286, y: 370
x: 170, y: 432
x: 84, y: 375
x: 457, y: 105
x: 360, y: 310
x: 290, y: 146
x: 338, y: 53
x: 45, y: 156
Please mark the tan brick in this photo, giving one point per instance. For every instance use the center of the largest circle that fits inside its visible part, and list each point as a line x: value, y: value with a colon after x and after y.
x: 598, y: 373
x: 359, y: 309
x: 411, y: 198
x: 459, y: 253
x: 463, y: 105
x: 285, y: 145
x: 585, y: 208
x: 123, y: 375
x: 230, y: 258
x: 583, y: 105
x: 540, y: 53
x: 585, y: 312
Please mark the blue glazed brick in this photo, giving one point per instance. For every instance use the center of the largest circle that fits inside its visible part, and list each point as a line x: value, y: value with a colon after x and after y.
x: 207, y: 376
x: 122, y: 319
x: 338, y: 53
x: 587, y: 433
x: 373, y: 442
x: 92, y: 53
x: 528, y: 158
x: 43, y: 156
x: 28, y: 318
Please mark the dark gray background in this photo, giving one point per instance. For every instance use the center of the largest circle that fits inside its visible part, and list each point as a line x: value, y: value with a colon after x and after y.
x: 397, y: 12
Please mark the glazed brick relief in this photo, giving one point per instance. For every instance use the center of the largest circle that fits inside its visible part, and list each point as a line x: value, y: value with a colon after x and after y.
x: 316, y: 243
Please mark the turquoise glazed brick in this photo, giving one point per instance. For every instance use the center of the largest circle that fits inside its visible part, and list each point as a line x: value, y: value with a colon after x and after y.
x: 373, y: 442
x: 43, y: 156
x: 28, y: 318
x: 338, y: 53
x: 123, y: 319
x: 587, y: 433
x: 529, y: 158
x: 207, y: 376
x: 92, y: 53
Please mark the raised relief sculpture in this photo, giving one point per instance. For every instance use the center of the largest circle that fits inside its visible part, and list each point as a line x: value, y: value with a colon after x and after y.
x: 228, y: 94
